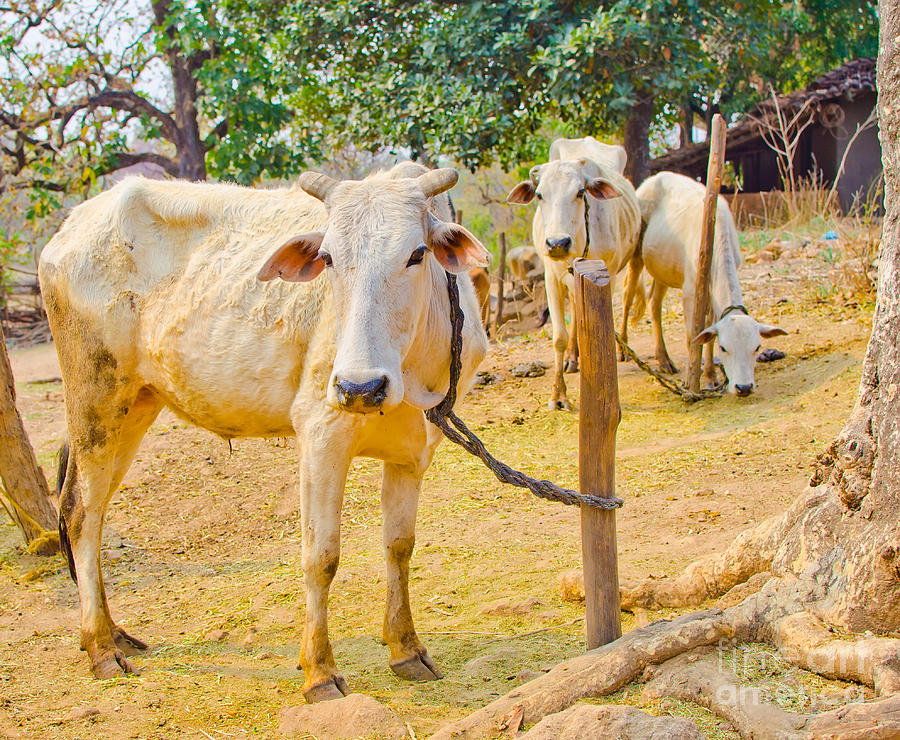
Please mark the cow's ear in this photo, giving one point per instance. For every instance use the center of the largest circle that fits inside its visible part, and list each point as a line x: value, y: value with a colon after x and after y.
x: 296, y: 261
x: 522, y: 193
x: 770, y: 331
x: 707, y: 335
x: 601, y: 189
x: 455, y: 247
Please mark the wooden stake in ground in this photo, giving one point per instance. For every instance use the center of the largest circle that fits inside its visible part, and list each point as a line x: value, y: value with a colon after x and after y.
x: 501, y: 279
x: 707, y: 237
x: 598, y: 420
x: 25, y: 495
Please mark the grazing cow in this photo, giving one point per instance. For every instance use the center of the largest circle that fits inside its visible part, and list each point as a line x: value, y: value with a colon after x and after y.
x: 167, y: 294
x: 586, y: 208
x: 672, y: 207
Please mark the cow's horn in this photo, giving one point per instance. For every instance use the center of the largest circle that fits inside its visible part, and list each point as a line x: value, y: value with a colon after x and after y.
x: 316, y: 184
x: 437, y: 181
x: 534, y: 173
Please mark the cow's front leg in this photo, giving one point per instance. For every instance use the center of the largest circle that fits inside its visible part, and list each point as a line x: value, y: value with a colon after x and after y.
x: 556, y: 297
x: 323, y: 473
x: 399, y: 501
x: 572, y: 348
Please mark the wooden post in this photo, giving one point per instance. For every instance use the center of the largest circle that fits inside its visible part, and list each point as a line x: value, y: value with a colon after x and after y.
x: 707, y: 237
x: 598, y: 419
x: 459, y: 214
x: 501, y: 279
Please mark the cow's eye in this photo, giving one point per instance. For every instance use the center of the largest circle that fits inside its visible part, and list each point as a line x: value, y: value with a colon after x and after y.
x: 580, y: 193
x: 723, y: 349
x: 758, y: 347
x: 326, y: 258
x: 417, y: 256
x: 538, y: 196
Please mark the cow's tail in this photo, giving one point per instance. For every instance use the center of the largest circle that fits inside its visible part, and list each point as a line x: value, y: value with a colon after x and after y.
x: 62, y: 464
x: 639, y: 306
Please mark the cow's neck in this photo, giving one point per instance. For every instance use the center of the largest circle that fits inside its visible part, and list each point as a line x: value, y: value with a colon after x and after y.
x: 725, y: 288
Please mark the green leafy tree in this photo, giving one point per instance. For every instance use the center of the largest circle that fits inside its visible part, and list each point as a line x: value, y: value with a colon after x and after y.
x: 90, y: 88
x: 480, y: 81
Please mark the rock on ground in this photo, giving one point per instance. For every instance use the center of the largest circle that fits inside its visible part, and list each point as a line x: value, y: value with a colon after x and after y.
x: 583, y: 721
x: 356, y: 715
x: 512, y: 607
x: 571, y: 585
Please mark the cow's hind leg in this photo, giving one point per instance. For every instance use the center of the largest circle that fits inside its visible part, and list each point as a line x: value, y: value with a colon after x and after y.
x: 632, y: 287
x: 103, y: 438
x: 662, y: 355
x: 709, y: 355
x: 399, y: 501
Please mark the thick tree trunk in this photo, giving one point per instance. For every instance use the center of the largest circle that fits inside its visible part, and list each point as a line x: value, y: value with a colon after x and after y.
x: 190, y: 151
x: 637, y: 139
x: 27, y: 497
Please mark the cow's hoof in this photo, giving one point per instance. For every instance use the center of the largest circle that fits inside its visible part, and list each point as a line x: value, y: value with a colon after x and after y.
x: 128, y: 644
x: 668, y: 366
x: 571, y: 366
x: 561, y: 405
x: 112, y: 664
x: 335, y: 688
x: 418, y: 668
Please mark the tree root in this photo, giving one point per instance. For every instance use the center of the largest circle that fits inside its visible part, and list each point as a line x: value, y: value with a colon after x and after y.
x: 778, y: 614
x: 605, y: 670
x: 809, y: 643
x: 750, y: 553
x: 720, y: 692
x: 621, y: 722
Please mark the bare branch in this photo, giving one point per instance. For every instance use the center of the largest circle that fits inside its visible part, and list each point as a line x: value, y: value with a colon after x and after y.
x: 121, y: 160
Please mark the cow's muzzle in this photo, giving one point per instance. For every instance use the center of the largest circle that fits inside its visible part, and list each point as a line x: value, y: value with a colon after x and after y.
x: 361, y: 397
x: 559, y: 248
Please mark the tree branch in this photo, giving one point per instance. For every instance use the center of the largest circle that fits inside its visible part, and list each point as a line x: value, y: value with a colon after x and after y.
x: 121, y: 160
x: 130, y: 101
x: 217, y: 134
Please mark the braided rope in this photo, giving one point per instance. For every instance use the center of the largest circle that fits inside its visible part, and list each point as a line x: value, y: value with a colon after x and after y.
x: 678, y: 388
x: 442, y: 416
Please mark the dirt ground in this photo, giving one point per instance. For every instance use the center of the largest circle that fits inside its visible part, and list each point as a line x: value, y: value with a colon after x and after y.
x: 202, y: 551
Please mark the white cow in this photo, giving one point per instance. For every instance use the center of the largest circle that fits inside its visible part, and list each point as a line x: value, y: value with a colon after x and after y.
x: 165, y: 294
x: 590, y: 177
x: 672, y: 207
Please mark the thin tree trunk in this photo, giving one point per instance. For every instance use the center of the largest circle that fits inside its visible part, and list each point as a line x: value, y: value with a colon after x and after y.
x: 26, y: 496
x: 637, y: 139
x: 687, y: 126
